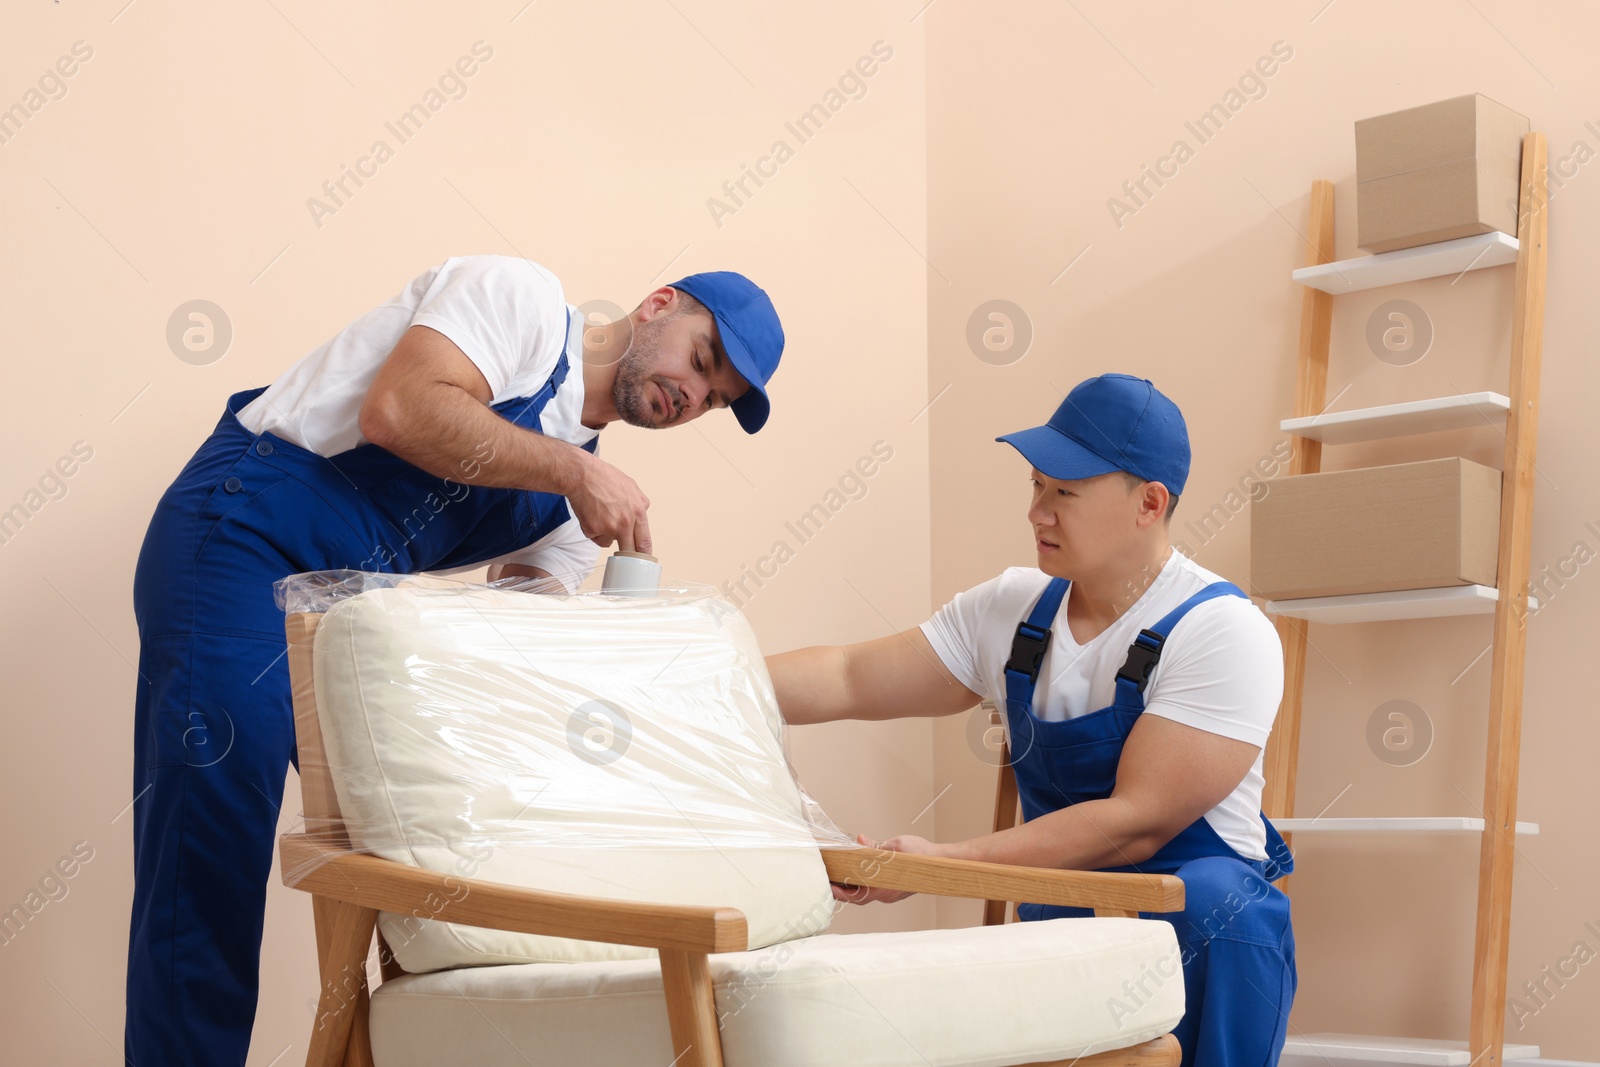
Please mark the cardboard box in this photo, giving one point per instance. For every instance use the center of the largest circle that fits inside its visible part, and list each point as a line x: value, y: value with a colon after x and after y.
x: 1438, y: 172
x: 1377, y: 529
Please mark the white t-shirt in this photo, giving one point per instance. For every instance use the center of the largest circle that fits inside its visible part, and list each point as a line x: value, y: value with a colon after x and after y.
x: 511, y: 319
x: 1221, y: 668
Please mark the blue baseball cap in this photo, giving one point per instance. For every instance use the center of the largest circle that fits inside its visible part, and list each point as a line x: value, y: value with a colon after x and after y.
x: 751, y: 335
x: 1115, y: 422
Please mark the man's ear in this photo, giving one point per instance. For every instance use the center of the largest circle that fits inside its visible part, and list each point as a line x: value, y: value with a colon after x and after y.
x: 660, y: 302
x: 1157, y: 496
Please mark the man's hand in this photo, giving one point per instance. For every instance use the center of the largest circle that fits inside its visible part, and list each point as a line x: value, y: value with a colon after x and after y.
x: 854, y: 894
x: 610, y: 506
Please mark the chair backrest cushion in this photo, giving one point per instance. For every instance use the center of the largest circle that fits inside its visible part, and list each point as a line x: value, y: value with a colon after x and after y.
x: 615, y: 747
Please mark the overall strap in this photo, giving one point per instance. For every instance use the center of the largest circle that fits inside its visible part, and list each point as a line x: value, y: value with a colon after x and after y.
x: 1029, y: 645
x: 1145, y: 651
x: 547, y: 391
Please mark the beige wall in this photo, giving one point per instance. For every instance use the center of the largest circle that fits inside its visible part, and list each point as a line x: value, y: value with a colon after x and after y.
x: 178, y: 166
x: 1037, y: 113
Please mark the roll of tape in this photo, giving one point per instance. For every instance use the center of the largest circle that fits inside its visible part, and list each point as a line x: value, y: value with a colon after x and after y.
x: 631, y: 574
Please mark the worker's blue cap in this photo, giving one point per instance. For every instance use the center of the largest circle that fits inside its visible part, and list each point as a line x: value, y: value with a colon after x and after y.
x: 751, y: 335
x: 1115, y: 422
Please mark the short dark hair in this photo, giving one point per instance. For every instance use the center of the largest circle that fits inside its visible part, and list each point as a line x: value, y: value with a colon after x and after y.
x: 687, y: 305
x: 1134, y: 482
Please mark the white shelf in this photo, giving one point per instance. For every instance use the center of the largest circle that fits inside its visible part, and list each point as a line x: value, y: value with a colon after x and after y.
x: 1462, y: 411
x: 1426, y: 825
x: 1359, y: 1048
x: 1402, y: 604
x: 1493, y: 249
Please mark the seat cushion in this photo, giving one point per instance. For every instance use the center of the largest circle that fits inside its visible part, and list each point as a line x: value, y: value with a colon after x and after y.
x: 989, y: 996
x: 616, y: 747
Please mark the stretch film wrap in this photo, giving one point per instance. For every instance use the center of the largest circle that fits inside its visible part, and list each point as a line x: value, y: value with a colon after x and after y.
x: 620, y: 746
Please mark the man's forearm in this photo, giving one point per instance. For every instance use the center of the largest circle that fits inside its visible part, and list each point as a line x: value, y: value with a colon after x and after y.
x: 1081, y: 837
x: 448, y: 433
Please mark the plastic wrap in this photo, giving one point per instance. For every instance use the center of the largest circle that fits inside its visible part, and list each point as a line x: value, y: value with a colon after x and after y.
x: 621, y: 746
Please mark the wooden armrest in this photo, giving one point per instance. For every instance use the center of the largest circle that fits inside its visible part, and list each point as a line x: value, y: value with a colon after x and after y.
x: 882, y: 869
x: 385, y: 885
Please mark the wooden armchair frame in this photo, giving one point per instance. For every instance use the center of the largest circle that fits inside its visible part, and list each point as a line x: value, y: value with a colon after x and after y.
x: 349, y: 889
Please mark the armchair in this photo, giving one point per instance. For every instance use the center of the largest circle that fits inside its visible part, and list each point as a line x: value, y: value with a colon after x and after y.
x: 712, y: 955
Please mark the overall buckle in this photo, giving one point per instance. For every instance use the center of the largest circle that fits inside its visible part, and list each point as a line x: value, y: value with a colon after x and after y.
x: 1141, y: 659
x: 1027, y: 651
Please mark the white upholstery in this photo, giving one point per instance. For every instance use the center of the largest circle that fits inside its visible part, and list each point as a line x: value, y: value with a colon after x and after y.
x: 455, y: 732
x: 978, y: 997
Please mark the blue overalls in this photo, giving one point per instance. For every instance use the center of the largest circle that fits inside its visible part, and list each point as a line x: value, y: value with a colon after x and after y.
x: 1235, y: 940
x: 213, y: 721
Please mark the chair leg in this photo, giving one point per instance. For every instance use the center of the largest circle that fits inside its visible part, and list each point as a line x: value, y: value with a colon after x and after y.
x: 691, y: 1009
x: 344, y: 938
x: 1005, y: 817
x: 359, y: 1051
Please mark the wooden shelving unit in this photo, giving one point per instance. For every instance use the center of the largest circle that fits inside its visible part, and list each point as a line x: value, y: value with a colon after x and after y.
x: 1321, y: 1049
x: 1428, y: 824
x: 1461, y: 412
x: 1410, y: 264
x: 1516, y: 413
x: 1387, y: 607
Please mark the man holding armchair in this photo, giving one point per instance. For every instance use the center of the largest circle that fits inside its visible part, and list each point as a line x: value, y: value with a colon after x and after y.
x: 453, y: 425
x: 1157, y: 685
